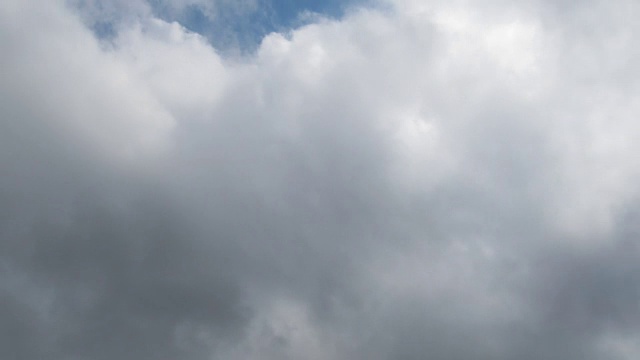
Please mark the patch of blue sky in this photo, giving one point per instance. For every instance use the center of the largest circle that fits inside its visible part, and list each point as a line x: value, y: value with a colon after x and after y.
x: 238, y: 29
x: 104, y: 29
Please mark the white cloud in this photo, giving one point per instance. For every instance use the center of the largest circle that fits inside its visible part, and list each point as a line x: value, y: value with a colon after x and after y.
x: 449, y: 180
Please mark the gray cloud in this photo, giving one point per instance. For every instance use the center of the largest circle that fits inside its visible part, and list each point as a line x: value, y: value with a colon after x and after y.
x: 447, y: 182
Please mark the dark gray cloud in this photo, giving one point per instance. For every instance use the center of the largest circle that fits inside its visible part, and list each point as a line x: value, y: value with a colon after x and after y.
x: 446, y: 182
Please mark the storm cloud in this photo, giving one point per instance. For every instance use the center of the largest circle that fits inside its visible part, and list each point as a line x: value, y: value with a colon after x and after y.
x: 414, y: 180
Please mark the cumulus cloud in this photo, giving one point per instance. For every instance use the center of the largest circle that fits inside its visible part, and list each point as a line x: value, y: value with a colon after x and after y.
x: 442, y: 180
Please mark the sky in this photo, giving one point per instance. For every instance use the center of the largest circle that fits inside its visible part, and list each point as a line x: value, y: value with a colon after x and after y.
x: 233, y: 27
x: 379, y: 180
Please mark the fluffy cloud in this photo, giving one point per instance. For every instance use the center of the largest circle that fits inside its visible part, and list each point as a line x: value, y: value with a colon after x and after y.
x: 451, y: 180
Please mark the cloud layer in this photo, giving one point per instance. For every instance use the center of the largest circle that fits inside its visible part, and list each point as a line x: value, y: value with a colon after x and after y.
x: 450, y: 180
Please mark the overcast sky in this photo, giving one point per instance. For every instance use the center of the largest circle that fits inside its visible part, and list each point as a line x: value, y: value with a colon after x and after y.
x: 274, y: 180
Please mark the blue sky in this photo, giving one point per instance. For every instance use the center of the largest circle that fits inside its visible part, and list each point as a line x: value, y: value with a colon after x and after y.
x: 233, y: 27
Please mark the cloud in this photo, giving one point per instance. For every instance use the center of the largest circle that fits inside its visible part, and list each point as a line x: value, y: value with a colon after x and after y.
x: 445, y: 181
